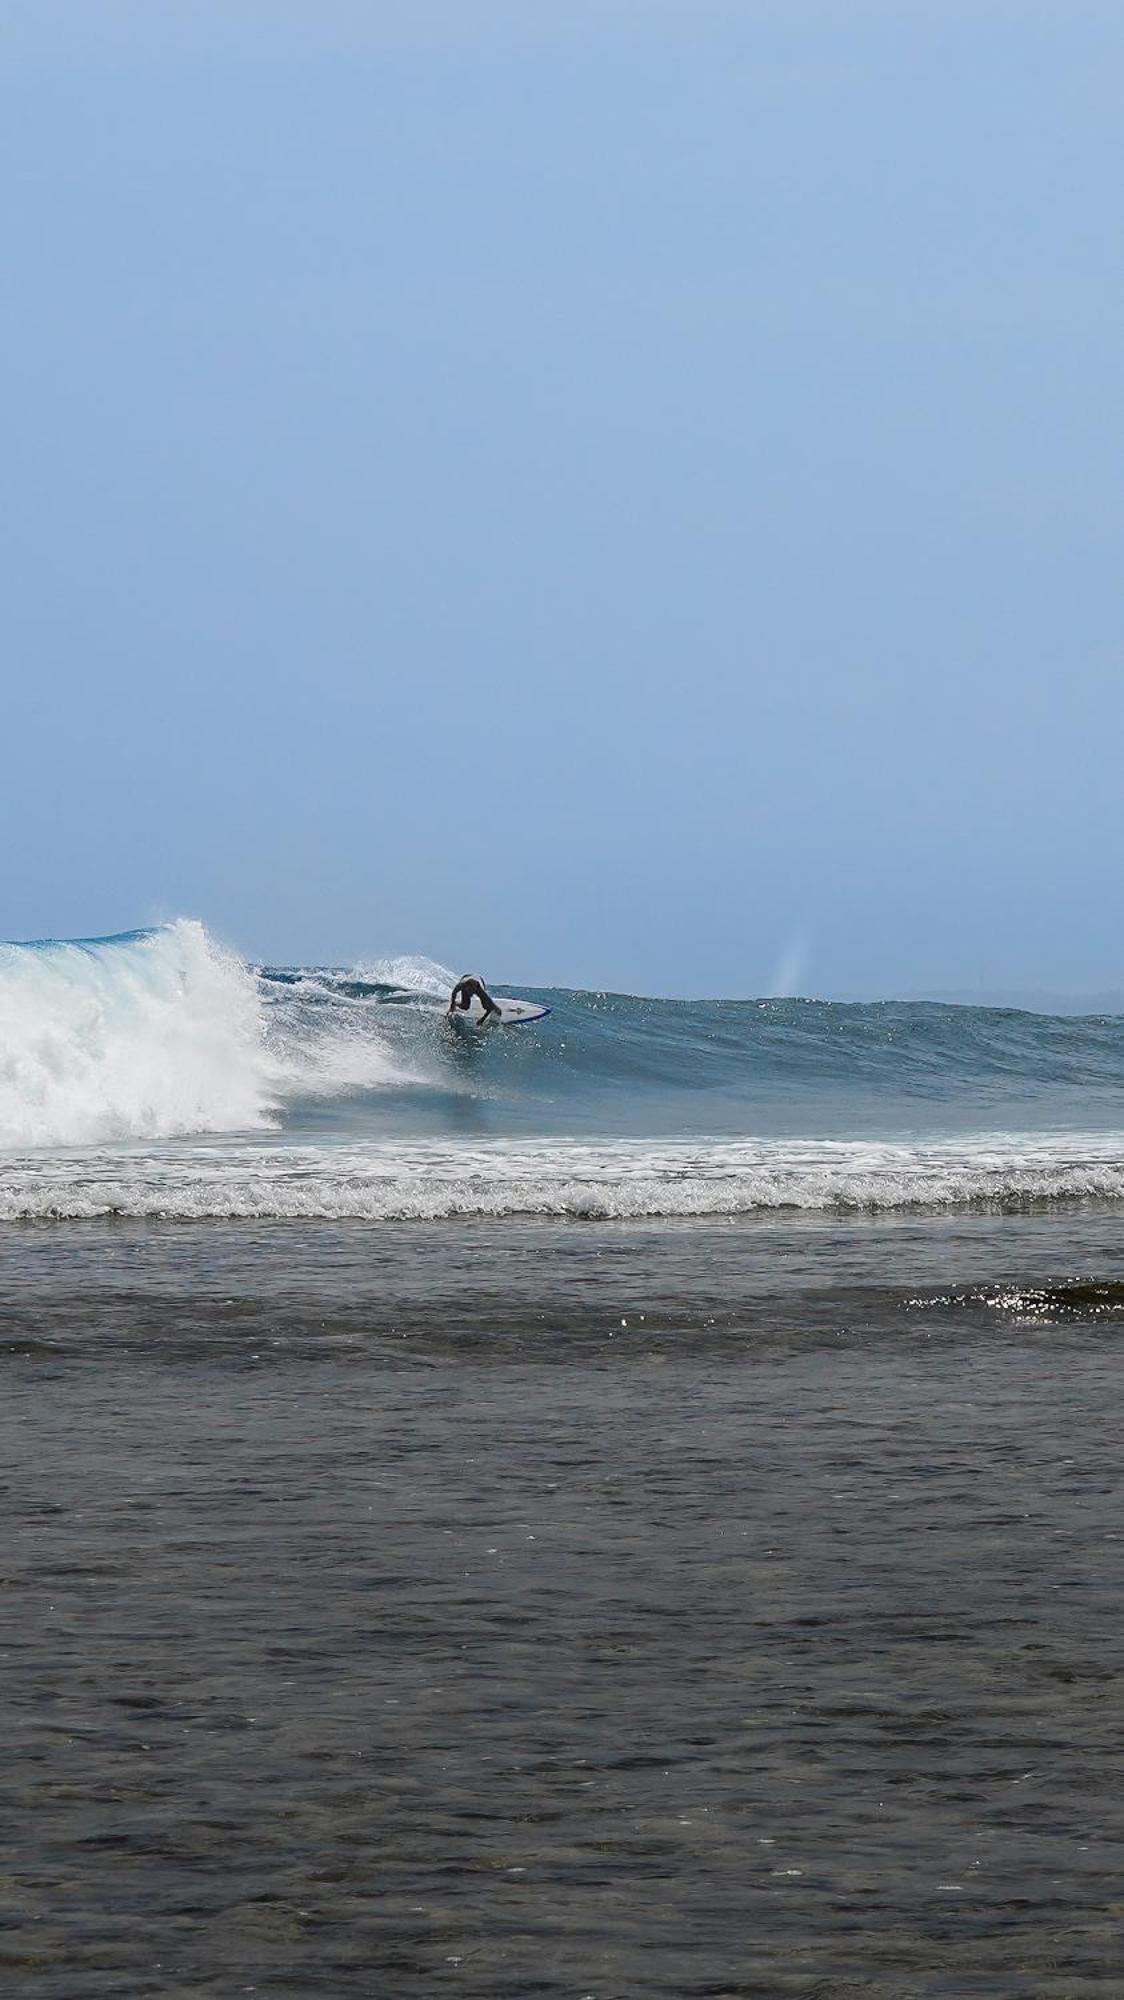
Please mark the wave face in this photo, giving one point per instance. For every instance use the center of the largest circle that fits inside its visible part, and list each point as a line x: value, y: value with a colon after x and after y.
x: 199, y: 1086
x: 711, y: 1054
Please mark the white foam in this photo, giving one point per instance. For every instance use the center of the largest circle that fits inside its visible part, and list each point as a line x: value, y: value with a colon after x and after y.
x: 137, y: 1037
x: 328, y: 1052
x: 429, y: 1181
x: 412, y: 973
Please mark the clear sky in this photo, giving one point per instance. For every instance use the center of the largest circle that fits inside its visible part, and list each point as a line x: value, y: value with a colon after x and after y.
x: 614, y: 492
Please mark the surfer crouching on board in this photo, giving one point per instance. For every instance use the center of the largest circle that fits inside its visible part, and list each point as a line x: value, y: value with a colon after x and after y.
x: 467, y: 989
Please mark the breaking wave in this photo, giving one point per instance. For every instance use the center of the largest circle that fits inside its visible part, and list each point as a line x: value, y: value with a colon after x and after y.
x: 159, y: 1074
x: 140, y: 1036
x: 608, y: 1182
x: 164, y: 1033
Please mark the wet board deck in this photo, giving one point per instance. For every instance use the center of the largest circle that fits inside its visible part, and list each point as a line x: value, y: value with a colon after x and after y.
x: 513, y: 1013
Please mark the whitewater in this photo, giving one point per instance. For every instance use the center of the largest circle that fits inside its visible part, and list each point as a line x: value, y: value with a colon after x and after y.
x: 158, y: 1074
x: 700, y: 1410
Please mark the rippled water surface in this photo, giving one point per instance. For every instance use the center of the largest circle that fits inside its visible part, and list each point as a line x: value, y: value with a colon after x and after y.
x: 623, y: 1507
x: 566, y: 1609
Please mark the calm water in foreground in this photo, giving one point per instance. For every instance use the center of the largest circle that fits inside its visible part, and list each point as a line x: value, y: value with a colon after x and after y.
x: 384, y: 1616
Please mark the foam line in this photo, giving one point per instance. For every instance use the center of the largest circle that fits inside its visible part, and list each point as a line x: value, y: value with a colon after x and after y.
x: 617, y: 1181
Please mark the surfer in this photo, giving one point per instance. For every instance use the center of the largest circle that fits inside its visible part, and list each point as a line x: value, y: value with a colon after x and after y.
x: 467, y: 989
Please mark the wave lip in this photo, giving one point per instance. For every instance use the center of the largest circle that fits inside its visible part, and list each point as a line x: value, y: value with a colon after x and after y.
x: 615, y: 1181
x: 409, y: 972
x: 141, y: 1036
x: 164, y: 1033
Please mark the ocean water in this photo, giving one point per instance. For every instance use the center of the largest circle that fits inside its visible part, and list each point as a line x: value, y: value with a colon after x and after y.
x: 623, y: 1506
x: 156, y: 1074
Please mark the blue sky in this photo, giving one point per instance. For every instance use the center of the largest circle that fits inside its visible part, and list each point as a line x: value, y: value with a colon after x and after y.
x: 622, y: 494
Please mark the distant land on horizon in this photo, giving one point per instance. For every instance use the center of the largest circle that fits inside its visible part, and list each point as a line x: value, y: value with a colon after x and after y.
x: 1109, y: 1000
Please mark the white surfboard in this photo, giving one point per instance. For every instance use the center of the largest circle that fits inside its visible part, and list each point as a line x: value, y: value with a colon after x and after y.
x: 513, y: 1013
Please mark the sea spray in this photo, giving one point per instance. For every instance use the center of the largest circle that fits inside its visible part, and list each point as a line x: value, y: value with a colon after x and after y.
x: 135, y: 1037
x: 198, y: 1085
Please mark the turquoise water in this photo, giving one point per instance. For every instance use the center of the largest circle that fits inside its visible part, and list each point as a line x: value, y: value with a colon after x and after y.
x: 613, y: 1063
x: 158, y: 1074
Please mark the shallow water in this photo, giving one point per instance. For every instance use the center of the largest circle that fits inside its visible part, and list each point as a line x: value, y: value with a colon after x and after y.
x: 385, y: 1617
x: 623, y: 1508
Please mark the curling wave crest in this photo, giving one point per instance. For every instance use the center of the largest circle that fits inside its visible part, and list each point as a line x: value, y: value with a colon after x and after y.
x: 141, y: 1036
x: 163, y: 1033
x: 201, y: 1086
